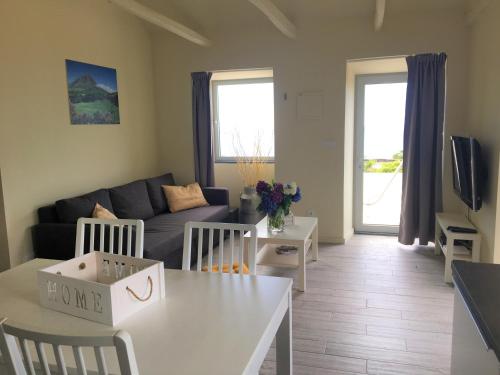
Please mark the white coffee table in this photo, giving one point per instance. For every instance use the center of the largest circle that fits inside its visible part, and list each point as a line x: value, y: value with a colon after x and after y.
x: 303, y: 234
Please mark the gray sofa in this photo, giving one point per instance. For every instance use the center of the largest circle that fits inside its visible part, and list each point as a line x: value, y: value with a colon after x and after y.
x: 54, y: 236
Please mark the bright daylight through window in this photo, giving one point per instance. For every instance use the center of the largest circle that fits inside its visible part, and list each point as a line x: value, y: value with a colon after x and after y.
x: 243, y: 111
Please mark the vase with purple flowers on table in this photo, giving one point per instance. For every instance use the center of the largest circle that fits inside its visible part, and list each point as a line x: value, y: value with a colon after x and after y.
x: 275, y: 201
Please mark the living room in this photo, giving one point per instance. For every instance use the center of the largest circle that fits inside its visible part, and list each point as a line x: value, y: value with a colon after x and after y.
x: 315, y: 48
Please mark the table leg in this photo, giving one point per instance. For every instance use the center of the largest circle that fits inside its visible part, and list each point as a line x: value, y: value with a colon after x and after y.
x: 315, y: 252
x: 437, y: 247
x: 284, y: 353
x: 302, y: 267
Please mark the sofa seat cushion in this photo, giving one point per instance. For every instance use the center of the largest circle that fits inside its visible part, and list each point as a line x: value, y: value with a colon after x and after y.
x: 131, y: 201
x: 71, y: 209
x: 159, y: 244
x: 155, y: 191
x: 164, y: 222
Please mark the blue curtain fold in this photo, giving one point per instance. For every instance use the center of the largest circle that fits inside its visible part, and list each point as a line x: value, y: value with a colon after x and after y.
x: 202, y: 129
x: 423, y: 147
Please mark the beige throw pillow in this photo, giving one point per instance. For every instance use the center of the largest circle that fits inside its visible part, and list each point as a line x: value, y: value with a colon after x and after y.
x: 181, y: 198
x: 102, y: 213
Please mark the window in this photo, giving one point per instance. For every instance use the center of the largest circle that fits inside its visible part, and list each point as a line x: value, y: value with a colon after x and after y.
x: 243, y: 112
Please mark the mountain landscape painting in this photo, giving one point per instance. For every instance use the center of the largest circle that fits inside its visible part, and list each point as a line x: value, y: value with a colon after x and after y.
x: 93, y: 94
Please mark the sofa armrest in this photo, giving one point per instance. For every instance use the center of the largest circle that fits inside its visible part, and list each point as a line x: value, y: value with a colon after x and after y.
x: 216, y: 196
x: 54, y: 240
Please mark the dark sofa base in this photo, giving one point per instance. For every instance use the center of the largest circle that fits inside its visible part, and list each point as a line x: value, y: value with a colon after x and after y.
x: 163, y: 236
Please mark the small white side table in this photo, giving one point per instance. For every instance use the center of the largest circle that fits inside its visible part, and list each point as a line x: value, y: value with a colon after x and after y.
x: 450, y: 250
x: 303, y: 234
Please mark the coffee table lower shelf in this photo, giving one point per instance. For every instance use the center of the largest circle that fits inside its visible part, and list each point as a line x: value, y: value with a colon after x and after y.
x: 267, y: 256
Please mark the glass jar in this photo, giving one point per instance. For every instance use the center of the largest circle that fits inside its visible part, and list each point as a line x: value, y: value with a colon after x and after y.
x: 276, y: 222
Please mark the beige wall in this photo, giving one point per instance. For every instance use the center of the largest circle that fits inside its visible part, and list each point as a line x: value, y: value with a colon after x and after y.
x: 309, y: 152
x: 227, y: 175
x: 42, y: 156
x: 484, y: 119
x: 4, y: 242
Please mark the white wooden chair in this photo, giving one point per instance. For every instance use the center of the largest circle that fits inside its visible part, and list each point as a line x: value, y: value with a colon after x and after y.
x: 222, y: 228
x: 111, y: 226
x: 18, y: 360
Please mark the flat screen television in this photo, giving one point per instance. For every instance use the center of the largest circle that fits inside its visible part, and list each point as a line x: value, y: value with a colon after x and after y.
x: 467, y: 171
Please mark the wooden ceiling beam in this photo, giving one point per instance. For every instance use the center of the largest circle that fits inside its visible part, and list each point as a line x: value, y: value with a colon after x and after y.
x: 379, y: 14
x: 277, y: 17
x: 162, y: 21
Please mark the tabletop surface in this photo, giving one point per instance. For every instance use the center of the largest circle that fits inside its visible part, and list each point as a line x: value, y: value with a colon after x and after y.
x: 208, y: 323
x: 299, y: 231
x: 479, y: 284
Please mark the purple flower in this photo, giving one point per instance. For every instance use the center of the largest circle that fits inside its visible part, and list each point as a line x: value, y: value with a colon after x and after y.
x: 277, y: 197
x: 262, y: 186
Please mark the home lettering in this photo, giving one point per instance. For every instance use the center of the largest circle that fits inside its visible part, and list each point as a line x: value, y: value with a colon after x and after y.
x: 80, y: 297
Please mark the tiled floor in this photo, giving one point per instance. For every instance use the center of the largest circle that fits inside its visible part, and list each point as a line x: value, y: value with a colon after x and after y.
x: 372, y: 306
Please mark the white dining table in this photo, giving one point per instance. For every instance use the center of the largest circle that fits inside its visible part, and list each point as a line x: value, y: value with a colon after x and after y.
x: 208, y: 323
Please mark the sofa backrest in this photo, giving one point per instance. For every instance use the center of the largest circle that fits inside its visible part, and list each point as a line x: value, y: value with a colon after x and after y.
x: 156, y: 194
x: 140, y: 199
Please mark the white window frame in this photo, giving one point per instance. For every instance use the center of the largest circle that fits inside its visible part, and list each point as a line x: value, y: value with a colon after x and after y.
x: 363, y: 80
x: 215, y: 114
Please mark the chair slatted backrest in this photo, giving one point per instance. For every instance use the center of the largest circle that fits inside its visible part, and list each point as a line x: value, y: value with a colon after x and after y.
x: 222, y: 228
x: 123, y: 228
x: 15, y: 347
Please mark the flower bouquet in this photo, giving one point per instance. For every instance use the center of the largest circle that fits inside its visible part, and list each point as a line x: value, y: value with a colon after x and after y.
x: 275, y: 201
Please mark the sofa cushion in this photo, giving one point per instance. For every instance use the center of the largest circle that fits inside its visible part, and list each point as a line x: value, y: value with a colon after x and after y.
x: 102, y: 213
x: 71, y: 209
x: 165, y: 222
x: 156, y: 195
x: 182, y: 198
x: 159, y: 244
x: 131, y: 201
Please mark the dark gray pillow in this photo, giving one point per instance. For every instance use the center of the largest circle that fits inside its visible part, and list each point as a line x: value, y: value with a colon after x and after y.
x: 131, y: 201
x: 71, y: 209
x: 156, y: 194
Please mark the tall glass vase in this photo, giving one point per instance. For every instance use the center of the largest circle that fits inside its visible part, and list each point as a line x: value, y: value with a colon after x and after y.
x: 276, y: 222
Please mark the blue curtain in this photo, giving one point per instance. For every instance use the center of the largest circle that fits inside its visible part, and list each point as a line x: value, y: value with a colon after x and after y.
x: 202, y: 129
x: 423, y: 147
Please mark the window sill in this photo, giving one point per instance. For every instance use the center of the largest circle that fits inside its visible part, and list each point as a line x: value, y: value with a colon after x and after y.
x: 235, y: 162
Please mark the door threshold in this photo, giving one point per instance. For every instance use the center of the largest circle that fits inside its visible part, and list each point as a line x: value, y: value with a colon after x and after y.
x: 376, y: 233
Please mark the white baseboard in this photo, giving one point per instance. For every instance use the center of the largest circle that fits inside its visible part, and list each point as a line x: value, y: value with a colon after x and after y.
x: 332, y: 240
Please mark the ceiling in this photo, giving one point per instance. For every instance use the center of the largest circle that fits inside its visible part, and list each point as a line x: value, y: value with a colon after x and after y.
x: 220, y: 15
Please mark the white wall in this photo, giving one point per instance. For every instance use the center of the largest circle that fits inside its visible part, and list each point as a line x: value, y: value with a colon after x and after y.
x: 42, y: 156
x: 311, y: 153
x: 484, y: 120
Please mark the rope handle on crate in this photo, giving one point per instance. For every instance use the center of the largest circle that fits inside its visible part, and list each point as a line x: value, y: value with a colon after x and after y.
x: 134, y: 294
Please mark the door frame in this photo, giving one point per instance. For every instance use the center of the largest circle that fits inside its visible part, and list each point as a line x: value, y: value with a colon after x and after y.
x: 359, y: 114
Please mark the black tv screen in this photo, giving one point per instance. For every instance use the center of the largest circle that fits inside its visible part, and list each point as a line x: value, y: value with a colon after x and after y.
x: 467, y: 171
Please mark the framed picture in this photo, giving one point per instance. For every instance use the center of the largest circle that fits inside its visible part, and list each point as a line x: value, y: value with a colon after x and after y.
x: 92, y: 93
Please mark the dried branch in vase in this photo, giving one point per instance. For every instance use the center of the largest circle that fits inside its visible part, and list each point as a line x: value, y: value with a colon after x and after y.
x: 250, y: 167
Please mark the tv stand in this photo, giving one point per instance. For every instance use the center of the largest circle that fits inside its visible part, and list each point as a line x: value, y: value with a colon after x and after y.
x: 458, y: 239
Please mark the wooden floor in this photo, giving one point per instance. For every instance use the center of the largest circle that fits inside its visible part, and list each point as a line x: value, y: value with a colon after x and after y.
x: 372, y: 306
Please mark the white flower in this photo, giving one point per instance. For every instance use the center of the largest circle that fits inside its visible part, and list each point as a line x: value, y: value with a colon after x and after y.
x: 290, y: 188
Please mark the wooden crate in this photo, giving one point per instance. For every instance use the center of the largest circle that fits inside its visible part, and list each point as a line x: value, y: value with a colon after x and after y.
x: 106, y: 288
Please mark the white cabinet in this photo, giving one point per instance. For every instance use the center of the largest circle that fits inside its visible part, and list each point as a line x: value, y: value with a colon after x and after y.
x: 470, y: 354
x: 451, y: 249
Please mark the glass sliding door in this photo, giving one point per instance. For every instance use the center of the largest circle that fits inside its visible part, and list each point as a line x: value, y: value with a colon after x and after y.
x: 380, y: 111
